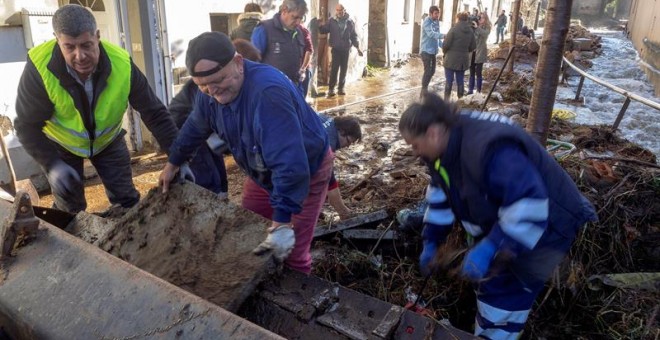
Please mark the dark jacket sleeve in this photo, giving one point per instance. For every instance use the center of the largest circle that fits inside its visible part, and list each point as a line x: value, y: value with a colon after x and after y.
x: 33, y: 109
x: 153, y: 112
x: 182, y: 104
x: 353, y: 36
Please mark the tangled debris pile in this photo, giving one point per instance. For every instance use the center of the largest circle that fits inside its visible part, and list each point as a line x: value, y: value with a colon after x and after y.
x: 625, y: 240
x: 624, y: 186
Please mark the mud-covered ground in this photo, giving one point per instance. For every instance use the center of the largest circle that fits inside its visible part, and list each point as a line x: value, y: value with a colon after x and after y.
x: 381, y: 172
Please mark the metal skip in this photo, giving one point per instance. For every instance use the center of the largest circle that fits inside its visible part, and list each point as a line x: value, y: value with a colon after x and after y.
x: 56, y: 286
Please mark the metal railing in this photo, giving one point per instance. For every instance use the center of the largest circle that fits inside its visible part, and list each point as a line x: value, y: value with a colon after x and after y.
x: 629, y: 95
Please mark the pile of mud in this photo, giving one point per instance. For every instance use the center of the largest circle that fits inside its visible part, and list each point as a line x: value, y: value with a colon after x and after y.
x: 191, y: 239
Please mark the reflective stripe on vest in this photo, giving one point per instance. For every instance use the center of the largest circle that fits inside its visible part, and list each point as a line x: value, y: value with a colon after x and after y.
x: 442, y: 171
x: 66, y: 126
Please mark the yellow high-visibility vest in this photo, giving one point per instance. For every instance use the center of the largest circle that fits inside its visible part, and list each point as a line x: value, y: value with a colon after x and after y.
x: 66, y: 126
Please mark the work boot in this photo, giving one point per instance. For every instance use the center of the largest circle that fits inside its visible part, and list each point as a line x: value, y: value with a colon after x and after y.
x: 459, y: 91
x: 341, y: 92
x: 331, y: 93
x: 447, y: 94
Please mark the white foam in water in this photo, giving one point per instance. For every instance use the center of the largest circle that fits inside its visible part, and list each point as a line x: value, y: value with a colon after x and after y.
x: 619, y: 65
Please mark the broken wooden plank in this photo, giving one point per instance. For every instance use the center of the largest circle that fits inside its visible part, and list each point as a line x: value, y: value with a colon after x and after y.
x: 369, y: 234
x: 351, y: 223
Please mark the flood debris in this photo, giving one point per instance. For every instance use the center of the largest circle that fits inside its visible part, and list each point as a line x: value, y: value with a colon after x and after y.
x: 353, y: 222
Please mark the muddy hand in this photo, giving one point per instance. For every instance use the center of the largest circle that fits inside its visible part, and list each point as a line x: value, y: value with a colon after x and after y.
x: 280, y: 242
x: 167, y: 175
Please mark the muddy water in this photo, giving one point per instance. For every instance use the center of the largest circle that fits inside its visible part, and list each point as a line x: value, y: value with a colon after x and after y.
x: 619, y: 66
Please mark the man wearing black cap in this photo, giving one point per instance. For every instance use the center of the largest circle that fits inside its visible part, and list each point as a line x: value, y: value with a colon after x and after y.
x: 274, y: 136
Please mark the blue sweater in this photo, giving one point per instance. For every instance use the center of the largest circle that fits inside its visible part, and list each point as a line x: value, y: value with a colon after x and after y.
x: 275, y: 137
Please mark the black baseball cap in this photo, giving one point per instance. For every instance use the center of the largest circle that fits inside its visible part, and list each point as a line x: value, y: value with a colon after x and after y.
x: 214, y: 46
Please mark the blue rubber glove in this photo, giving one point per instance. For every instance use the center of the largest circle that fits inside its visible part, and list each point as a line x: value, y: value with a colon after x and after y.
x: 478, y: 259
x: 430, y: 248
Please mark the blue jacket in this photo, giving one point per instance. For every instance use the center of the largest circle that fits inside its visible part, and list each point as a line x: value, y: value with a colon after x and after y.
x: 273, y: 134
x: 503, y: 185
x: 430, y: 36
x: 333, y: 141
x: 331, y: 129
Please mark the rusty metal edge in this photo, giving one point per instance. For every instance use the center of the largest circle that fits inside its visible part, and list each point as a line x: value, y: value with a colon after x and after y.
x: 58, y: 286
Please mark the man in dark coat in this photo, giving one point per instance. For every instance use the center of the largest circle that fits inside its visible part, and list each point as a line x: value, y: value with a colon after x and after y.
x: 342, y: 37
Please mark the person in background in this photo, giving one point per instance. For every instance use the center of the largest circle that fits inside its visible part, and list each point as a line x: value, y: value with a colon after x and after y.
x: 247, y: 21
x: 281, y: 41
x: 342, y: 133
x: 475, y: 15
x: 456, y: 47
x: 305, y: 68
x: 208, y: 164
x: 480, y: 54
x: 276, y: 138
x: 500, y: 24
x: 342, y: 37
x: 515, y: 201
x: 430, y: 45
x: 70, y: 104
x: 313, y: 28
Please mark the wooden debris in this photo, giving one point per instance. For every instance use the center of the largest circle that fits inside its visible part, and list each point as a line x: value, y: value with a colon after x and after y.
x: 350, y: 223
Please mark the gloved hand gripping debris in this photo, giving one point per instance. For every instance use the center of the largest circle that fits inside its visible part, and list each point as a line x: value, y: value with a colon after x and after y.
x: 280, y: 242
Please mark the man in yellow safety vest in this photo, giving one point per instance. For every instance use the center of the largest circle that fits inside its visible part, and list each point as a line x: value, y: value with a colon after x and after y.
x: 70, y: 103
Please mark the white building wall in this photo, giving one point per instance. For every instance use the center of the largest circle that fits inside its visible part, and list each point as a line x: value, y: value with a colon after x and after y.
x: 400, y: 20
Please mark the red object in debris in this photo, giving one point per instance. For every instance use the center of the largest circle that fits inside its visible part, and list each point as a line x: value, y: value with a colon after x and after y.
x: 418, y: 310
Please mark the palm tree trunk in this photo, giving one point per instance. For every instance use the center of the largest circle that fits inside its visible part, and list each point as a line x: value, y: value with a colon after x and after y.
x: 514, y: 31
x: 548, y: 68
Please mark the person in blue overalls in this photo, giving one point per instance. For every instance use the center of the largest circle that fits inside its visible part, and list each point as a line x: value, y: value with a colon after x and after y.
x: 510, y: 195
x: 342, y: 133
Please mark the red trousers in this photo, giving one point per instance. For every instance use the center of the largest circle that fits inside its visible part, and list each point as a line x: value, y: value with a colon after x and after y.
x: 256, y: 199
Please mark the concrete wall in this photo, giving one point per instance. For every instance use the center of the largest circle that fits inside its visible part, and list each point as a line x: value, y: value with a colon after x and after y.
x: 644, y: 31
x: 12, y: 62
x: 9, y: 7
